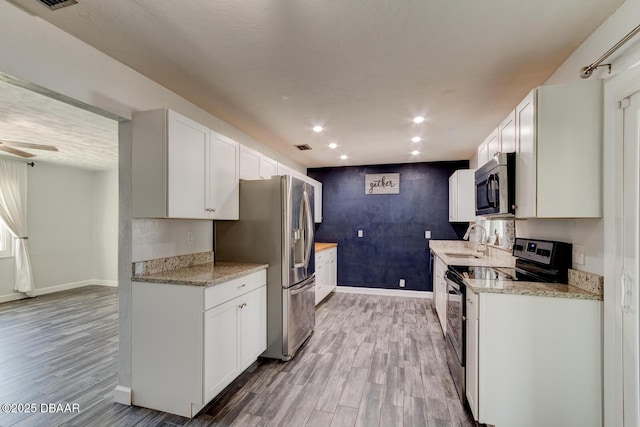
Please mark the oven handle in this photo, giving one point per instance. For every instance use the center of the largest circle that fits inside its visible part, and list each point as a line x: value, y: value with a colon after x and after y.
x: 452, y: 282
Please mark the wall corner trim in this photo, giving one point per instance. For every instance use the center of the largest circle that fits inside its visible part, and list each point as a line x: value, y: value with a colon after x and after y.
x: 122, y: 395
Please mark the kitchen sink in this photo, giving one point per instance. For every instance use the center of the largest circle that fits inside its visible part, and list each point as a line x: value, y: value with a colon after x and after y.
x: 462, y: 255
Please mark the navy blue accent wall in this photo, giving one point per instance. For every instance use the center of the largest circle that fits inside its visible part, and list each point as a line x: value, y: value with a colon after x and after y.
x: 393, y: 246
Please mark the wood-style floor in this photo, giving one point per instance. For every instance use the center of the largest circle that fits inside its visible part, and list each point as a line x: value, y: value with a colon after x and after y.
x: 372, y: 361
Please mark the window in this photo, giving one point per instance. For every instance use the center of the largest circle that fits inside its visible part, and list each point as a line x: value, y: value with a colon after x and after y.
x: 6, y: 242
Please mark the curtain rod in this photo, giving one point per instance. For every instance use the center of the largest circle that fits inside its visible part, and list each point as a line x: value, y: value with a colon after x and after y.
x: 586, y: 72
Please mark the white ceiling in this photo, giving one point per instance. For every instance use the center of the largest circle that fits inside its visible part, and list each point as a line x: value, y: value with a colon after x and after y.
x: 85, y: 140
x: 362, y: 69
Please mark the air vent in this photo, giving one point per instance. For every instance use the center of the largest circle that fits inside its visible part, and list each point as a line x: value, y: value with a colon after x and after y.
x: 303, y: 147
x: 57, y: 4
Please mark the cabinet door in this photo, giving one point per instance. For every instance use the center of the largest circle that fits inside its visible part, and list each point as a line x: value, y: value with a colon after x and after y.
x: 223, y: 194
x: 321, y: 275
x: 472, y: 352
x: 268, y: 167
x: 493, y: 144
x: 249, y: 164
x: 507, y: 134
x: 453, y: 197
x: 483, y: 154
x: 441, y: 293
x: 221, y: 347
x: 187, y: 162
x: 253, y: 324
x: 526, y: 168
x: 333, y: 279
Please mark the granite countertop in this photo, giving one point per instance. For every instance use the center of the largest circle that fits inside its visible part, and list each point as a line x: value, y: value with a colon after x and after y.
x: 325, y: 246
x: 540, y: 289
x: 494, y: 258
x: 580, y: 285
x: 206, y: 274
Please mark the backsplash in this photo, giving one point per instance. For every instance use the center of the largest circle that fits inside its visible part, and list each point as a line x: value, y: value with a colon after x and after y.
x: 160, y: 265
x: 501, y: 233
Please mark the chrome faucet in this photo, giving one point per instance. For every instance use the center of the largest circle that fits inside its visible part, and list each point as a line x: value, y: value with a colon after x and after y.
x: 482, y: 241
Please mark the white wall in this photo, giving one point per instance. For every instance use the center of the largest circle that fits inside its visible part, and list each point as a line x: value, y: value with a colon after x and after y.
x: 105, y: 226
x: 73, y: 234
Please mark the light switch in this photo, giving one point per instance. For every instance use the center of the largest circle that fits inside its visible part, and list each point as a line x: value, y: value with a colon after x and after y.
x: 360, y: 233
x: 427, y: 234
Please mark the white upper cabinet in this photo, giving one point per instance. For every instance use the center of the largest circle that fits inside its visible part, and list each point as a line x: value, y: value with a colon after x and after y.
x: 224, y: 193
x: 268, y: 167
x: 249, y: 164
x: 558, y: 146
x: 462, y: 200
x: 488, y: 148
x: 181, y: 169
x: 255, y: 165
x: 187, y: 146
x: 507, y: 134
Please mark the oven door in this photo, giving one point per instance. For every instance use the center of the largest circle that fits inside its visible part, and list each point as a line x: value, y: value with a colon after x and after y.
x: 455, y: 317
x: 455, y: 334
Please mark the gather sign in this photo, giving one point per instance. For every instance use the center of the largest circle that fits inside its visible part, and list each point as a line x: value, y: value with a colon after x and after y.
x: 382, y: 183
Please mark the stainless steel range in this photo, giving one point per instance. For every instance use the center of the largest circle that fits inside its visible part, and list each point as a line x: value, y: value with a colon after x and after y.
x: 536, y: 261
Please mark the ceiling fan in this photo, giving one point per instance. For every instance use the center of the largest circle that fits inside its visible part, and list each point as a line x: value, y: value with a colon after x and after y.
x: 7, y: 146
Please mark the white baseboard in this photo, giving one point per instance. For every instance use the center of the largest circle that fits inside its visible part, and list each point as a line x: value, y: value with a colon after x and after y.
x: 122, y: 395
x: 111, y: 283
x: 51, y: 289
x: 384, y: 292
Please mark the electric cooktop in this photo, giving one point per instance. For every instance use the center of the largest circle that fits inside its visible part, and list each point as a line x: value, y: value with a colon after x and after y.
x: 536, y: 261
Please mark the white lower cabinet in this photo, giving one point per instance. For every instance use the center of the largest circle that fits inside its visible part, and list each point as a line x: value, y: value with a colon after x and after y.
x: 471, y: 371
x: 440, y: 292
x: 533, y: 360
x: 221, y: 347
x: 326, y: 273
x: 190, y: 342
x: 234, y: 337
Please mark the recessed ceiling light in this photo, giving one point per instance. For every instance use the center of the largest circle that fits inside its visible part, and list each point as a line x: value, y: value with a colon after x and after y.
x: 318, y: 128
x: 418, y: 119
x: 333, y: 145
x: 416, y: 139
x: 415, y: 152
x: 344, y: 157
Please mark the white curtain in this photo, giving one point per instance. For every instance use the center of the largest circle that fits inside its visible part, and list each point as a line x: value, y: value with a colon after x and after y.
x: 13, y: 212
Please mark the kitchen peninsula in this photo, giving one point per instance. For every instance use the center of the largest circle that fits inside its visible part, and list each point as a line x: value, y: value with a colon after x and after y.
x: 196, y: 325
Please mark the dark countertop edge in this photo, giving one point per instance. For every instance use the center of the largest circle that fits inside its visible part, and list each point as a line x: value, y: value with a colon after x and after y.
x: 158, y: 277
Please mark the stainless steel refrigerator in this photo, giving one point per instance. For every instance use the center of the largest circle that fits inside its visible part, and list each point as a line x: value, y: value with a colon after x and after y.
x: 276, y: 226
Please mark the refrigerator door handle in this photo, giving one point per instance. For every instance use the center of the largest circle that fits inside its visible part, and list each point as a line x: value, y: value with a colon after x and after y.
x: 309, y: 283
x: 309, y: 231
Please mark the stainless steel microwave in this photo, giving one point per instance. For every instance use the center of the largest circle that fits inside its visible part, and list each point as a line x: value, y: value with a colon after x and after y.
x: 496, y: 185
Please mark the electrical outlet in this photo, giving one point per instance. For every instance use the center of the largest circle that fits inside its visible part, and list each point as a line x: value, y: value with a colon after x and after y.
x: 189, y: 237
x: 578, y: 254
x: 402, y: 283
x: 427, y: 234
x: 360, y: 233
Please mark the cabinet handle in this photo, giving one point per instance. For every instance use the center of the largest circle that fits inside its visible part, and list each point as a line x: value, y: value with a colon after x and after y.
x: 243, y: 305
x: 469, y: 301
x: 242, y: 286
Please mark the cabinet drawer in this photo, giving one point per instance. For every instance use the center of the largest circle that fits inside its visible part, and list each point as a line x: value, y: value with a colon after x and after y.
x: 219, y: 294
